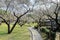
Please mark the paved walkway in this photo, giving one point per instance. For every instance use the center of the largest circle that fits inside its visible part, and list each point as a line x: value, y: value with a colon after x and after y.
x: 34, y: 34
x: 57, y: 36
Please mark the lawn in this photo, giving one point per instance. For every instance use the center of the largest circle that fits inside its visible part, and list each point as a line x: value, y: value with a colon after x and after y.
x: 19, y: 33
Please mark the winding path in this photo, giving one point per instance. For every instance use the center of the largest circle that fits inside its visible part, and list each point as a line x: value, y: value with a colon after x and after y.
x: 34, y: 34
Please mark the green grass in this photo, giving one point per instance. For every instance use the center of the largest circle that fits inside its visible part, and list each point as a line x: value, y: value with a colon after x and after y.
x: 19, y: 33
x: 43, y: 32
x: 44, y: 36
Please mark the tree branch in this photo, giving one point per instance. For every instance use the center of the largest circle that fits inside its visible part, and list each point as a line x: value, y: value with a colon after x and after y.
x: 50, y: 17
x: 56, y: 9
x: 18, y: 20
x: 8, y: 5
x: 24, y: 13
x: 15, y: 15
x: 4, y: 20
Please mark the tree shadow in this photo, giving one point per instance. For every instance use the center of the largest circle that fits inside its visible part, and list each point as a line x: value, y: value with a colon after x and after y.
x: 3, y: 33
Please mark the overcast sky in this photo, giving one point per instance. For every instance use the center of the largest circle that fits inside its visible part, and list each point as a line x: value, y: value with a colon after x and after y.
x: 36, y: 7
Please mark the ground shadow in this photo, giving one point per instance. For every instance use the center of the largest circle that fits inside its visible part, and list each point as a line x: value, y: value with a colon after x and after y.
x: 3, y: 33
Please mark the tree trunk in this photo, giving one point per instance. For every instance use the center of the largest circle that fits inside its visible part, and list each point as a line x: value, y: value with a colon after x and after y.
x: 8, y: 29
x: 14, y: 25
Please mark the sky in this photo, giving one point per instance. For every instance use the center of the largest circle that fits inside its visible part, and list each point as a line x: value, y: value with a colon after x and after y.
x: 36, y: 7
x: 32, y: 1
x: 56, y: 0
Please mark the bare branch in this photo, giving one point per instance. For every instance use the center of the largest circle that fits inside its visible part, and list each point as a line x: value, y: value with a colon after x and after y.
x: 24, y: 13
x: 50, y: 17
x: 8, y: 5
x: 18, y: 19
x: 56, y: 11
x: 15, y: 15
x: 4, y: 20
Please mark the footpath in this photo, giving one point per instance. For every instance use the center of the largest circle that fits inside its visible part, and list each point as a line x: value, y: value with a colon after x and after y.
x: 34, y: 34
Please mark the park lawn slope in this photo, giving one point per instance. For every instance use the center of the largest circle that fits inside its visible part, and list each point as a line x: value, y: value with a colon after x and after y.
x: 19, y: 33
